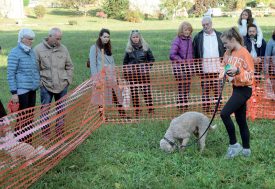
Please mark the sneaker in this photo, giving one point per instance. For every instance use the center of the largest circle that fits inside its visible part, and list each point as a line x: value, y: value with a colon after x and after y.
x: 234, y: 150
x: 246, y: 152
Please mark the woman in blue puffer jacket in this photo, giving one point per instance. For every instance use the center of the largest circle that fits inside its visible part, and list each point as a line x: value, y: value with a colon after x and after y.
x: 23, y: 78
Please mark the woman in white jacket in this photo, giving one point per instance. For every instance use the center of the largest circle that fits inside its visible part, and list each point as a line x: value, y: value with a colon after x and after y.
x: 245, y: 20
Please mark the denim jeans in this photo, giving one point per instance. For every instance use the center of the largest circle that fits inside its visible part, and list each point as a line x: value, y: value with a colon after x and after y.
x: 46, y: 99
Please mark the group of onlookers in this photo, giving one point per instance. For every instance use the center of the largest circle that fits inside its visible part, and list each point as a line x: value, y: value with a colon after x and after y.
x: 49, y: 67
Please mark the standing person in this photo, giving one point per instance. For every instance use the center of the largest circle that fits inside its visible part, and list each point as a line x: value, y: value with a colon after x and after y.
x: 2, y: 110
x: 269, y: 63
x: 56, y: 71
x: 112, y: 94
x: 208, y: 47
x: 23, y: 79
x: 181, y: 55
x: 250, y: 42
x: 242, y: 71
x: 244, y: 21
x: 138, y: 61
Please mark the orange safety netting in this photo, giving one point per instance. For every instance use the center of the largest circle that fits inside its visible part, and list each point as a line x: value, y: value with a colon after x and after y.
x: 34, y: 140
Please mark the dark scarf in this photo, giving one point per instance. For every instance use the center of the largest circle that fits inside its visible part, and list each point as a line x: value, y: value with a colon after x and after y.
x: 137, y: 45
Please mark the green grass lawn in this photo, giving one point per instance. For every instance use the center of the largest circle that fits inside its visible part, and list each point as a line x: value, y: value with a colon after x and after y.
x: 128, y: 156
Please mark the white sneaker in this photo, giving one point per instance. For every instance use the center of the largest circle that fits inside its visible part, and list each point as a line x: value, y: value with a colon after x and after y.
x: 233, y: 150
x: 246, y: 152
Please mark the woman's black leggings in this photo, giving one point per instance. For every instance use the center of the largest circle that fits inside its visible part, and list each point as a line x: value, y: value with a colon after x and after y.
x: 237, y: 105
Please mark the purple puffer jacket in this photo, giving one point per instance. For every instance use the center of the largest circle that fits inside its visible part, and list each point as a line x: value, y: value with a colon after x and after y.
x: 181, y: 49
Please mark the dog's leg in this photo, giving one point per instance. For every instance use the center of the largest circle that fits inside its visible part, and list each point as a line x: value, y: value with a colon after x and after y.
x: 202, y: 142
x: 184, y: 143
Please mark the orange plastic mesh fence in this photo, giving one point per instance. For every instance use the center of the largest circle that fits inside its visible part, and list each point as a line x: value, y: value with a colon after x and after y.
x: 262, y: 102
x: 34, y: 140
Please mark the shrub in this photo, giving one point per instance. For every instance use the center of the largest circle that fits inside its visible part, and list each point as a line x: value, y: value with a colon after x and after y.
x: 161, y: 16
x: 72, y: 22
x: 39, y: 11
x: 133, y: 16
x: 116, y: 8
x: 101, y: 14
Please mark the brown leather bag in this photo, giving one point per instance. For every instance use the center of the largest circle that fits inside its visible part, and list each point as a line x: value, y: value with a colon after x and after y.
x: 88, y: 63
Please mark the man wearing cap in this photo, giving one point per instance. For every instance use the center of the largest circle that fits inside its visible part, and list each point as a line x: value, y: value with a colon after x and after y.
x: 56, y: 72
x: 23, y: 77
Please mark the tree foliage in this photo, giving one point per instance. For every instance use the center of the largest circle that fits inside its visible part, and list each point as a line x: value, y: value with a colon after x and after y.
x: 39, y: 11
x: 116, y: 8
x: 240, y: 4
x: 79, y: 5
x: 170, y: 7
x: 201, y: 6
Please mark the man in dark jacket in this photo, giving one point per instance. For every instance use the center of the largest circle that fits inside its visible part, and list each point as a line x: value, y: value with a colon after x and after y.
x: 250, y: 44
x: 208, y: 46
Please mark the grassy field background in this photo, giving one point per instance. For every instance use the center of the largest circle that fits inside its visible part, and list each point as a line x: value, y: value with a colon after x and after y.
x: 128, y: 156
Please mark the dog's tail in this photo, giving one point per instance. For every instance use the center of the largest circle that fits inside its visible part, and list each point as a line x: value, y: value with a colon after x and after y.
x: 213, y: 127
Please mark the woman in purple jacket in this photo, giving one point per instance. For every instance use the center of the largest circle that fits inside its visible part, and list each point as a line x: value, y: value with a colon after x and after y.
x: 181, y: 55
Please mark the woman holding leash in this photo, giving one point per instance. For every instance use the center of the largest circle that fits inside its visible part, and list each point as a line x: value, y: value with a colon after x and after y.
x: 240, y: 71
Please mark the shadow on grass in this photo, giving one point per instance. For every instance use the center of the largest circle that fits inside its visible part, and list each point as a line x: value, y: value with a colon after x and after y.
x: 59, y: 12
x: 30, y: 16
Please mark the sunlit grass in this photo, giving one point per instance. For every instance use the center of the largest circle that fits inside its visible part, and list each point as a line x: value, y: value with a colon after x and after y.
x: 128, y: 156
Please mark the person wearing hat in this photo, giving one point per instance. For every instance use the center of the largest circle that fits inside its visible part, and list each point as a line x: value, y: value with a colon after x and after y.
x: 23, y: 78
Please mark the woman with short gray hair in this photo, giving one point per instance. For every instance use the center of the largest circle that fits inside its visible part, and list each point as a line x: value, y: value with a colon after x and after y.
x: 23, y: 76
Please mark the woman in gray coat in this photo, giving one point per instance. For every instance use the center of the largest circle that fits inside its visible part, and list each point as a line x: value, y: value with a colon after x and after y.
x: 101, y: 56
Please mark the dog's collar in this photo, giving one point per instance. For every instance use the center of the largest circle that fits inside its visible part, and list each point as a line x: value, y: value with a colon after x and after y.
x: 169, y: 141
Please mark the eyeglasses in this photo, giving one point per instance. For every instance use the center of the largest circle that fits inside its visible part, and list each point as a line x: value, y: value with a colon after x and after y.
x: 29, y: 38
x: 135, y: 31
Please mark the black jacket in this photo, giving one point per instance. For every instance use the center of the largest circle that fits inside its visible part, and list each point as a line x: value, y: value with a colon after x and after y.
x: 138, y: 56
x: 248, y: 44
x: 198, y: 45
